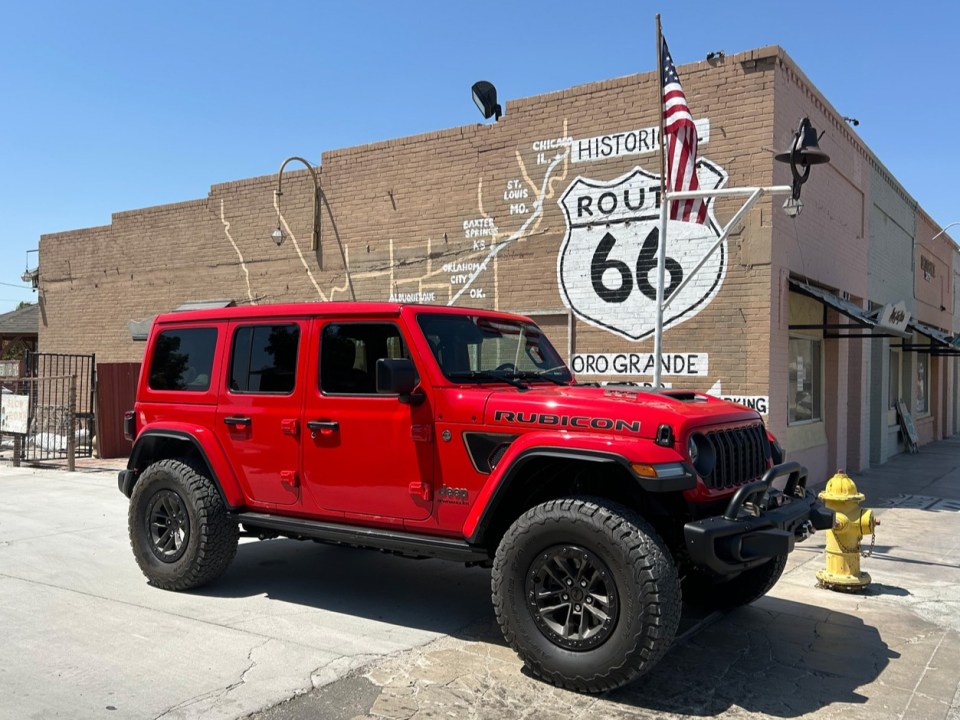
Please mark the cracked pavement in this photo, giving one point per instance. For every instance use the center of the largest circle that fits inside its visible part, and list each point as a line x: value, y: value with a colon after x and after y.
x: 300, y: 630
x: 84, y: 636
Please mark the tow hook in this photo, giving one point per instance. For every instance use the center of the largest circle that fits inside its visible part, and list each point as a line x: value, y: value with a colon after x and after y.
x: 804, y: 531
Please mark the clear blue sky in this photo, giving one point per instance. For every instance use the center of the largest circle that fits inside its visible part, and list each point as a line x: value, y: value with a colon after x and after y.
x: 110, y: 106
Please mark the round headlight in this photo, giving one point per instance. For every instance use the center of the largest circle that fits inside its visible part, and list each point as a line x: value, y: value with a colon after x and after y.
x: 702, y: 455
x: 777, y: 452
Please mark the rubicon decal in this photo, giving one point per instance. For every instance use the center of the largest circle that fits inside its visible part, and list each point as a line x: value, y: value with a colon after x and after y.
x: 580, y: 422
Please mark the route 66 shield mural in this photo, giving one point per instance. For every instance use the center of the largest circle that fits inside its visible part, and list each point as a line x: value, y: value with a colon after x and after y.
x: 607, y: 267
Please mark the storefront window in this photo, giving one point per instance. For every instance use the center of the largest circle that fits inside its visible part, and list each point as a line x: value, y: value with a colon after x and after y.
x: 922, y: 404
x: 803, y: 404
x: 893, y: 379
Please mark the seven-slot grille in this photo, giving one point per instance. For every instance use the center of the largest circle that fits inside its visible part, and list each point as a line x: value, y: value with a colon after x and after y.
x: 741, y: 456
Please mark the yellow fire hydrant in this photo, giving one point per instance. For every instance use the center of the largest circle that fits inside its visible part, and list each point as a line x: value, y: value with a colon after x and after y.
x: 851, y: 523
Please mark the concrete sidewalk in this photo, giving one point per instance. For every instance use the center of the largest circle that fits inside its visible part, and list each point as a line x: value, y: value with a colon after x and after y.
x: 890, y: 652
x: 83, y: 636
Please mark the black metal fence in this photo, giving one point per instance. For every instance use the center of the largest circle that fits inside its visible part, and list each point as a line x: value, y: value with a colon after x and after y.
x: 61, y: 420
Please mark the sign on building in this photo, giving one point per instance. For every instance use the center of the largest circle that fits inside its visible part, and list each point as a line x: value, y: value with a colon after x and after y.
x: 894, y: 316
x: 607, y: 264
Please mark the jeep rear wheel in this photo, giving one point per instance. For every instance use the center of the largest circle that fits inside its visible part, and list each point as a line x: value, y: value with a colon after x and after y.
x: 586, y: 593
x: 180, y: 531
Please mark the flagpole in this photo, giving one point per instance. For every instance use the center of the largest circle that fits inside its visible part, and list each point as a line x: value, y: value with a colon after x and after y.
x: 664, y: 204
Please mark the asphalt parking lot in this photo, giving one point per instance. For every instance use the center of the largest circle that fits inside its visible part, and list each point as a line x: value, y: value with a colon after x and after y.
x: 297, y: 630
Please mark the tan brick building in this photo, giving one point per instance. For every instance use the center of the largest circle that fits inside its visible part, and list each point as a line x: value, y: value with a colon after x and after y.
x: 550, y: 212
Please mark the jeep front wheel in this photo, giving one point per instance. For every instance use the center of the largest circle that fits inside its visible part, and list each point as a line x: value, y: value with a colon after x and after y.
x: 180, y: 531
x: 586, y: 593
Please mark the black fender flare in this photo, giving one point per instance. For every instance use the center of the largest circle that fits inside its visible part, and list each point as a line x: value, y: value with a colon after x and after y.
x: 145, y: 440
x: 513, y: 474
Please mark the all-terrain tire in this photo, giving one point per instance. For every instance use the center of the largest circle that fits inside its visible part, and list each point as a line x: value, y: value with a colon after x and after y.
x: 180, y: 531
x: 707, y: 592
x: 631, y: 581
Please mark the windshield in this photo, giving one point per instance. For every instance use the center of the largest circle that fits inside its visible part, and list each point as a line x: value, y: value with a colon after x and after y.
x: 481, y: 349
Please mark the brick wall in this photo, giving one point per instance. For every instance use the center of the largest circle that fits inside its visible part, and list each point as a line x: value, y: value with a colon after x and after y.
x: 515, y: 215
x: 470, y: 215
x: 893, y: 225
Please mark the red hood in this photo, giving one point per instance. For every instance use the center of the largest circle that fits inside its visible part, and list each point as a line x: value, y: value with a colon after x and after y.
x: 626, y: 411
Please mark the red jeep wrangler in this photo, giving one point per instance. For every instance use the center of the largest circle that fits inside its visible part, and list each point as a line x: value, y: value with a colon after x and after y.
x: 459, y: 434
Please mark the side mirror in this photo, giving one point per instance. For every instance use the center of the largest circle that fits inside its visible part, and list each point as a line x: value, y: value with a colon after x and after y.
x: 398, y: 376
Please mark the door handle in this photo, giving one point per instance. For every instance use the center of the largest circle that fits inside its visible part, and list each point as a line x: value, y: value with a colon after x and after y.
x: 323, y: 425
x: 236, y: 420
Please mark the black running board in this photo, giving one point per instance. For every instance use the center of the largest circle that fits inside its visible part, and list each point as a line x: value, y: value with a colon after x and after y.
x: 389, y: 540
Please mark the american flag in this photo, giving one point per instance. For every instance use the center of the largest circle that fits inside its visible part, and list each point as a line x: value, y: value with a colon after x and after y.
x: 681, y: 142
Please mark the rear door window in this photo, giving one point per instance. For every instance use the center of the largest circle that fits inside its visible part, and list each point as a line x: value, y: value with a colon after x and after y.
x: 183, y: 359
x: 264, y: 359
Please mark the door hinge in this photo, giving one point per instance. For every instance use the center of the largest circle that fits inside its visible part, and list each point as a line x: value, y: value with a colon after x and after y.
x: 290, y: 427
x: 290, y: 477
x: 422, y: 433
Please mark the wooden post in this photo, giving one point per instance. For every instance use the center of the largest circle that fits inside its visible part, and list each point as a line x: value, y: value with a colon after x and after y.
x: 71, y: 425
x: 17, y: 445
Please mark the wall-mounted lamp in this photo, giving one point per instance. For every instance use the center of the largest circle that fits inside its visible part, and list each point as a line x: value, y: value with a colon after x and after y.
x: 852, y: 120
x: 945, y: 228
x: 804, y: 153
x: 277, y: 235
x: 485, y: 96
x: 716, y: 55
x: 792, y: 207
x: 32, y: 277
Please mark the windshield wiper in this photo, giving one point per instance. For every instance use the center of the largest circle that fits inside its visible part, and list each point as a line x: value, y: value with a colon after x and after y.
x: 537, y: 374
x: 510, y: 378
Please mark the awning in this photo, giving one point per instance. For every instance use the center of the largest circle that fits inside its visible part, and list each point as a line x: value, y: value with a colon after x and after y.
x: 863, y: 326
x: 940, y: 343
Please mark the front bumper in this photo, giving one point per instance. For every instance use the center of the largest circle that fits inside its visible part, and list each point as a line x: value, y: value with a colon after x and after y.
x: 761, y: 522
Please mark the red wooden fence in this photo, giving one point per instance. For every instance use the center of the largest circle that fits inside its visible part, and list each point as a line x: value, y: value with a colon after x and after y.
x: 116, y: 393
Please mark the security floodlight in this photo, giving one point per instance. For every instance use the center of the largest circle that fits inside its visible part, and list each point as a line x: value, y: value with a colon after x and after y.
x: 485, y: 96
x: 852, y: 120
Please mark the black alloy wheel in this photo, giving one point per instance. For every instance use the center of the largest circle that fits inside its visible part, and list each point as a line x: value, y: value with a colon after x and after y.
x: 586, y: 592
x: 181, y: 532
x: 169, y: 526
x: 572, y: 597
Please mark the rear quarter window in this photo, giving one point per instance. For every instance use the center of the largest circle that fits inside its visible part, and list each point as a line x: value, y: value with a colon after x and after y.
x: 183, y: 359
